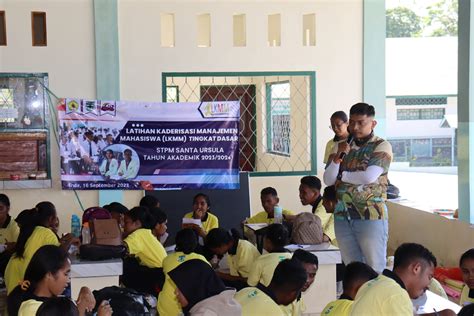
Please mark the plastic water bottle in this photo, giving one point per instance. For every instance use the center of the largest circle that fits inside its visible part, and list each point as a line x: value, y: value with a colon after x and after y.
x: 86, y: 234
x: 75, y: 226
x: 278, y: 214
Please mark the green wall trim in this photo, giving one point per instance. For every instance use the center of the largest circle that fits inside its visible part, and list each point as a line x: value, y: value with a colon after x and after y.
x: 374, y: 60
x: 107, y: 67
x: 312, y: 83
x: 466, y: 111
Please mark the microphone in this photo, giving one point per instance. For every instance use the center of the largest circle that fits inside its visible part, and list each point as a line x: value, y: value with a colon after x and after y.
x: 349, y: 140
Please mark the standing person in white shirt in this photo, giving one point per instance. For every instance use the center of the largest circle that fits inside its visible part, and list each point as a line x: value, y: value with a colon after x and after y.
x: 128, y: 167
x: 89, y: 151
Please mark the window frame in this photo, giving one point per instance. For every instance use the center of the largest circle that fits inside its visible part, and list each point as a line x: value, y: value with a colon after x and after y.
x: 269, y: 118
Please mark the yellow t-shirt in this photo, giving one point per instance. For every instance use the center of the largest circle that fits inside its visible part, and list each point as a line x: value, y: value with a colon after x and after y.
x: 254, y: 302
x: 10, y: 232
x: 16, y: 267
x: 241, y: 263
x: 382, y: 296
x: 465, y: 300
x: 211, y: 222
x: 143, y: 245
x: 167, y: 302
x: 262, y: 217
x: 327, y: 221
x: 338, y: 308
x: 329, y: 149
x: 29, y: 307
x: 296, y: 308
x: 264, y: 266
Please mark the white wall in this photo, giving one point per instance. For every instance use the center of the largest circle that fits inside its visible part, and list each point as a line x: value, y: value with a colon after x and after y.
x: 337, y: 57
x: 69, y: 60
x: 448, y: 239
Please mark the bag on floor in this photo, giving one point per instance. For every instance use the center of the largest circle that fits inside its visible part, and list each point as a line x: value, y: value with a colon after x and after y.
x: 124, y: 302
x: 101, y: 252
x: 307, y: 229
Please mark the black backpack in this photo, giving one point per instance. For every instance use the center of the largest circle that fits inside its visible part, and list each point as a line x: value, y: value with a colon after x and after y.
x: 124, y: 301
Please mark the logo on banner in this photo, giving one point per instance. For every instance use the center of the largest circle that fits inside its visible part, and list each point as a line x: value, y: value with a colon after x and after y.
x: 90, y: 106
x: 108, y: 108
x: 215, y: 109
x: 73, y: 106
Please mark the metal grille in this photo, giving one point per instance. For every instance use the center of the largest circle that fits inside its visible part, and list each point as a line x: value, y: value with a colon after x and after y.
x: 422, y: 100
x: 277, y: 126
x: 420, y: 114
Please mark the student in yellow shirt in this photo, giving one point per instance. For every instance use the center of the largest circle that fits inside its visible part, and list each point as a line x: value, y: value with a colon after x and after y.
x: 241, y: 255
x: 34, y: 234
x: 143, y: 271
x: 161, y: 224
x: 202, y: 211
x: 269, y: 199
x: 391, y: 292
x: 47, y: 276
x: 149, y: 201
x: 310, y: 264
x: 9, y: 231
x: 310, y: 194
x: 186, y: 243
x: 339, y: 125
x: 466, y: 263
x: 285, y: 286
x: 274, y: 242
x: 356, y: 274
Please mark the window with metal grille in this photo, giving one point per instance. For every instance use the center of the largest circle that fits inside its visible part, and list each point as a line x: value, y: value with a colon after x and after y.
x: 278, y: 105
x: 24, y: 127
x: 421, y: 101
x: 277, y: 128
x: 420, y: 114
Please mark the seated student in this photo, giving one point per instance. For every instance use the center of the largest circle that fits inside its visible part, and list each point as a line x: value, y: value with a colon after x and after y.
x: 356, y: 274
x: 274, y: 242
x: 310, y: 194
x: 9, y: 232
x: 339, y: 125
x: 161, y: 226
x: 202, y: 211
x: 330, y: 198
x: 34, y: 234
x: 466, y: 263
x: 47, y: 276
x: 311, y: 265
x: 196, y: 281
x: 287, y: 281
x: 149, y: 201
x: 390, y: 292
x: 269, y: 199
x: 143, y: 272
x: 241, y: 255
x: 186, y: 243
x: 117, y: 210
